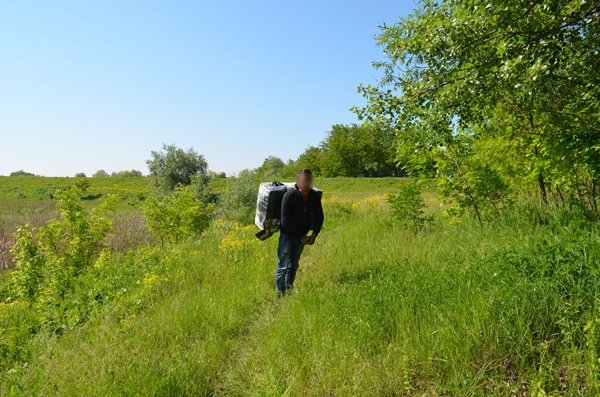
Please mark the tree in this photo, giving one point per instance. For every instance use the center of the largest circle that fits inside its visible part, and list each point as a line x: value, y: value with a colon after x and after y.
x: 358, y: 151
x: 519, y: 79
x: 174, y: 166
x: 215, y: 174
x: 271, y: 167
x: 311, y: 158
x: 100, y: 174
x: 21, y: 173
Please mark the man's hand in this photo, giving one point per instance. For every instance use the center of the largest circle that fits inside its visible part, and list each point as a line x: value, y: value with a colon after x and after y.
x: 311, y: 239
x: 304, y: 239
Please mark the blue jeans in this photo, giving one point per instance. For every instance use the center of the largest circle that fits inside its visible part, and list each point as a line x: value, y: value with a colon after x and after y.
x: 288, y: 252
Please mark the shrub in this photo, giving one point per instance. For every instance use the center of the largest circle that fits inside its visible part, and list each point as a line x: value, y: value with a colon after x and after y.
x: 408, y: 207
x: 49, y: 258
x: 238, y: 202
x: 177, y: 215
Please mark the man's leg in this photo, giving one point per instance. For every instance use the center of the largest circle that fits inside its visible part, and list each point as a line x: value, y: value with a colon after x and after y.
x: 296, y: 248
x: 283, y: 255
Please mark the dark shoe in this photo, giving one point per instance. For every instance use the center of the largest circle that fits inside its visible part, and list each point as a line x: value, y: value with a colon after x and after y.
x: 288, y: 289
x: 279, y: 294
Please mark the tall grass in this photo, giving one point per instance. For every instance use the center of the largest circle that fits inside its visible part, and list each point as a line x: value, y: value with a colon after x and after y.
x: 507, y: 307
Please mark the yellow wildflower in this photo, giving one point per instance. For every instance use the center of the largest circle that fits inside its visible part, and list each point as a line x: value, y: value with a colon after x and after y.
x: 369, y: 200
x: 238, y: 236
x: 151, y: 278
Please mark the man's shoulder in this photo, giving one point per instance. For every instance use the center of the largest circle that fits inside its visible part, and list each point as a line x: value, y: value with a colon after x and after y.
x: 289, y: 193
x: 290, y: 190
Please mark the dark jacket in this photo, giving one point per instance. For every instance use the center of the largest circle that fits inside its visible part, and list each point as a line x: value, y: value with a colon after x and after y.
x: 297, y: 218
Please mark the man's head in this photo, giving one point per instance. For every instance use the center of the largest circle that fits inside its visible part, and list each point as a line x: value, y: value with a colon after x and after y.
x: 304, y: 179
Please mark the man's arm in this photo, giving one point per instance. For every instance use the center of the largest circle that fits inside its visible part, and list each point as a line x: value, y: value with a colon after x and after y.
x: 318, y: 218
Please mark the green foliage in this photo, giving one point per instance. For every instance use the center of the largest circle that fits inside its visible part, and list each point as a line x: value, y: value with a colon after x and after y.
x: 177, y: 215
x: 29, y: 264
x: 219, y: 175
x: 21, y: 173
x: 358, y: 150
x: 100, y: 174
x: 119, y: 288
x: 505, y: 307
x: 270, y: 168
x: 468, y: 175
x: 520, y: 76
x: 408, y: 207
x: 312, y: 159
x: 174, y: 166
x: 365, y: 150
x: 238, y: 201
x: 49, y: 258
x: 127, y: 174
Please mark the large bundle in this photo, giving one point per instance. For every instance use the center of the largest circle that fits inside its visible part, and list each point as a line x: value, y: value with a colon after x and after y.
x: 268, y: 207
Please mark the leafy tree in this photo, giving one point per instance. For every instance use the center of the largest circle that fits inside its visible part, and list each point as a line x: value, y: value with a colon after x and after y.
x: 349, y: 150
x: 312, y: 159
x: 358, y: 150
x: 215, y: 174
x: 21, y: 173
x: 100, y: 174
x: 80, y: 175
x: 270, y: 168
x: 520, y: 77
x: 174, y: 166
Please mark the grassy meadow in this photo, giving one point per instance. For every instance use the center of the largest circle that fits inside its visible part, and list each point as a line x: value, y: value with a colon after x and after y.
x: 505, y: 307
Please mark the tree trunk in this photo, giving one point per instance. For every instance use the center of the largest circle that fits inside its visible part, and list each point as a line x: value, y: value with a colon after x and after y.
x: 542, y: 184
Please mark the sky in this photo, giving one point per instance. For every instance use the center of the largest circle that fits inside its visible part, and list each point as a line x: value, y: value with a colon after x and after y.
x: 89, y: 85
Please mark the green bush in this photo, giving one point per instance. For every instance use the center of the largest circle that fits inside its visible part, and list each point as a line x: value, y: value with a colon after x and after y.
x: 408, y: 207
x: 49, y: 258
x: 177, y: 215
x: 238, y: 201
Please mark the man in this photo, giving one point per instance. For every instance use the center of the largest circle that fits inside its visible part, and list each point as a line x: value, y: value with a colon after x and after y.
x: 301, y: 211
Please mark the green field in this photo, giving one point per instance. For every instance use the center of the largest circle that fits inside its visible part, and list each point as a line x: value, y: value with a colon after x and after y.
x: 507, y: 307
x: 460, y: 179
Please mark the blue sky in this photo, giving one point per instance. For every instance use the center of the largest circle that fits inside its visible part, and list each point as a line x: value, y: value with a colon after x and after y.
x: 90, y: 85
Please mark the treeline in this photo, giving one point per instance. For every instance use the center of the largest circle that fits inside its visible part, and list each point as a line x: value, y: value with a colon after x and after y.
x: 104, y: 174
x: 97, y: 174
x: 355, y: 150
x: 496, y: 100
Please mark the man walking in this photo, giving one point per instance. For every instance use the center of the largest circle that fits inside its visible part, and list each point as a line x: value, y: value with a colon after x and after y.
x: 301, y: 211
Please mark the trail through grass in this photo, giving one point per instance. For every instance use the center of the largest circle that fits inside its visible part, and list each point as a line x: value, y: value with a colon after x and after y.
x: 458, y: 309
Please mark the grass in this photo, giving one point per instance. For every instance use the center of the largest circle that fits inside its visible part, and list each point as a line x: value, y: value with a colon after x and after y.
x: 29, y: 199
x: 42, y: 188
x: 502, y: 308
